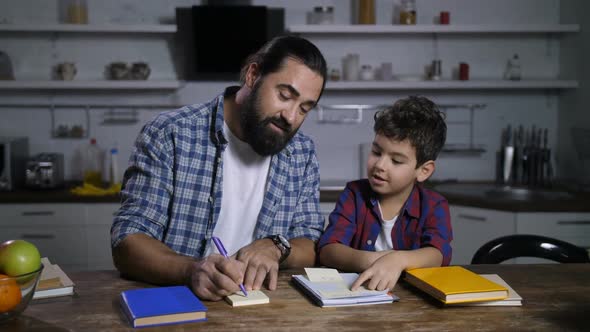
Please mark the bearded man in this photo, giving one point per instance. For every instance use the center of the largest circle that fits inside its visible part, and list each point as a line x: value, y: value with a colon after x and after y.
x: 235, y: 168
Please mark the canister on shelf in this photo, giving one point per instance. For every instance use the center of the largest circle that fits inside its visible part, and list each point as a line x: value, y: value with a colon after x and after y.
x: 407, y: 14
x: 463, y: 71
x: 365, y: 11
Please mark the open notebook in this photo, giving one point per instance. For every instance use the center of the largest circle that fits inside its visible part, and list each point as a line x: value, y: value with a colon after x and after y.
x: 328, y: 288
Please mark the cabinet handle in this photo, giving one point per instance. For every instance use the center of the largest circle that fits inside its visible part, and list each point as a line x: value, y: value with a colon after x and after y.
x: 472, y: 217
x: 38, y: 213
x: 574, y: 222
x: 38, y: 236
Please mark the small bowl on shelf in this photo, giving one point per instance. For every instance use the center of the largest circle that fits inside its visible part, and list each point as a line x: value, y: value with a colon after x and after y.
x: 16, y: 293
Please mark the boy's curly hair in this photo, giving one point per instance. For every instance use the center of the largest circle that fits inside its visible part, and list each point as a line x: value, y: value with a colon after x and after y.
x: 418, y: 120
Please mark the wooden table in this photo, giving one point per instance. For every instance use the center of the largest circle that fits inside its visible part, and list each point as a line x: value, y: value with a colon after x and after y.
x: 556, y: 297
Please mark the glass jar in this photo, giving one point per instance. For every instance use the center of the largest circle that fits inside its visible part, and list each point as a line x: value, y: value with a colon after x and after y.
x: 74, y: 11
x: 407, y: 14
x: 323, y: 15
x: 366, y: 12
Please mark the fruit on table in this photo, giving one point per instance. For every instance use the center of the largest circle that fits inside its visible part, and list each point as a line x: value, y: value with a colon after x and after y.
x: 18, y: 257
x: 10, y: 295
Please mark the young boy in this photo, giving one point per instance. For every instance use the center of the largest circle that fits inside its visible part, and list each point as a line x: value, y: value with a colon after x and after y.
x: 388, y: 223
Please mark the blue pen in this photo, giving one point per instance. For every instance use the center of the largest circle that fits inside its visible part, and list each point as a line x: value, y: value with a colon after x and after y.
x: 223, y: 252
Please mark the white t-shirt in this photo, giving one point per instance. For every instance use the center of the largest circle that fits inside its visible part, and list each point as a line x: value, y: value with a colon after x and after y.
x: 384, y: 241
x: 245, y: 173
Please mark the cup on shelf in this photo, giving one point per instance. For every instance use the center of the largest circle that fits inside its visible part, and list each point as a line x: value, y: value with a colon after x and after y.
x: 66, y: 71
x: 118, y: 71
x: 386, y: 71
x: 140, y: 71
x: 350, y: 67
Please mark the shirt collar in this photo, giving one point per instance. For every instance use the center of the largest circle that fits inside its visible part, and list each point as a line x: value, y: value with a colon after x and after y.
x: 411, y: 206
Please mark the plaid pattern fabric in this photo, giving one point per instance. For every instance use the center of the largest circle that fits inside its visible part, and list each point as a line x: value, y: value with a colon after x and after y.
x: 424, y: 221
x: 167, y: 186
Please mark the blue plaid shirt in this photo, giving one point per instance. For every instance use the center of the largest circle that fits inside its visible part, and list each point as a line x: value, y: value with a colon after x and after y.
x: 167, y: 186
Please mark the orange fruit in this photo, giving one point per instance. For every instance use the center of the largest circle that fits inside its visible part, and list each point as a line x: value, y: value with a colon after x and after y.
x: 10, y: 295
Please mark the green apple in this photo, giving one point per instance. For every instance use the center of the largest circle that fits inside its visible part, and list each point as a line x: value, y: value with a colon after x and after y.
x: 18, y: 257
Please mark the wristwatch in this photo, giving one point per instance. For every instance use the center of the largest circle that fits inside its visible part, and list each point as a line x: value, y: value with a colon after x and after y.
x: 283, y: 244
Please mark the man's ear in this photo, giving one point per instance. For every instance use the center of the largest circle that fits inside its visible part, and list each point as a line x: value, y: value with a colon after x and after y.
x: 425, y: 171
x: 252, y: 75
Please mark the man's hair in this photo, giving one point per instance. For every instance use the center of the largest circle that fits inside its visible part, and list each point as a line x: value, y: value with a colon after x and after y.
x: 418, y: 120
x: 271, y: 56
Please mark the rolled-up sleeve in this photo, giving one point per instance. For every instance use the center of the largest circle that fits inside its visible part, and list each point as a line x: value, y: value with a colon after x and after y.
x: 342, y: 221
x: 437, y: 231
x: 147, y: 186
x: 307, y: 219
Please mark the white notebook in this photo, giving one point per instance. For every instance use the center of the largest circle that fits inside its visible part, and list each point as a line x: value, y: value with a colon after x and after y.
x: 53, y: 282
x: 333, y: 289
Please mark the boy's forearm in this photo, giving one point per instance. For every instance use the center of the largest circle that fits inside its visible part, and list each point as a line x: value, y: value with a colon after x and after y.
x: 423, y: 257
x: 344, y: 258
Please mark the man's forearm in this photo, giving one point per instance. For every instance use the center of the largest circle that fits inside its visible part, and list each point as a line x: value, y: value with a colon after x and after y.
x: 143, y: 258
x: 302, y: 253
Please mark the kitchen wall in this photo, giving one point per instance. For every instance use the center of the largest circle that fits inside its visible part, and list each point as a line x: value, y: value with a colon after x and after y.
x: 33, y: 54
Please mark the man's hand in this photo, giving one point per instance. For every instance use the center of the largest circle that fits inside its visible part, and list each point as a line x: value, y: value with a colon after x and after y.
x: 261, y: 259
x: 383, y: 273
x: 215, y: 276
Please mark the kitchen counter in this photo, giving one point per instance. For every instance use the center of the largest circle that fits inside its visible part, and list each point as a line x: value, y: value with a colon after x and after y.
x: 574, y: 202
x: 62, y: 195
x: 563, y: 201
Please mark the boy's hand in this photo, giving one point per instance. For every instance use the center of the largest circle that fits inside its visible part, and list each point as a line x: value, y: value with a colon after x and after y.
x: 383, y: 273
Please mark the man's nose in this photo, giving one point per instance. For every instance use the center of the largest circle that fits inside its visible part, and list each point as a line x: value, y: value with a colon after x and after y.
x: 290, y: 115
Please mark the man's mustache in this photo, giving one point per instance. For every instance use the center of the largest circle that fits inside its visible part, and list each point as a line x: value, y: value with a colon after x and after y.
x: 281, y: 123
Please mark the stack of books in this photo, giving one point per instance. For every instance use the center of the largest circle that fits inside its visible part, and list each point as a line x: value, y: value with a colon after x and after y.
x: 53, y: 282
x: 455, y: 285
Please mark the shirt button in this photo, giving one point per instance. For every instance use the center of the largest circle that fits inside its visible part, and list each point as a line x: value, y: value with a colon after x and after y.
x: 369, y: 242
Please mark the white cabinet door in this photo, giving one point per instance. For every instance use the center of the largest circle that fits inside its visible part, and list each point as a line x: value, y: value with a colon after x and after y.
x: 566, y: 226
x: 98, y: 230
x: 473, y: 227
x: 56, y: 229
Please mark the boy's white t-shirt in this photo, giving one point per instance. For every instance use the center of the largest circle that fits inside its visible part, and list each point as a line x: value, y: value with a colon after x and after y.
x: 384, y: 241
x: 245, y: 174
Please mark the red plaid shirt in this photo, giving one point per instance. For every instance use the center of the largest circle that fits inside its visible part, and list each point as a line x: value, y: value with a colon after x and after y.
x: 424, y: 221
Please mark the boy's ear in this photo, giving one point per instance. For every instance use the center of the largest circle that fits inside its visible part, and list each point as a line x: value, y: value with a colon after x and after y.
x: 425, y: 171
x: 251, y: 75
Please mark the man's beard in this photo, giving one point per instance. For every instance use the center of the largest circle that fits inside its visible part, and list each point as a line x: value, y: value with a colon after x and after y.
x: 257, y: 130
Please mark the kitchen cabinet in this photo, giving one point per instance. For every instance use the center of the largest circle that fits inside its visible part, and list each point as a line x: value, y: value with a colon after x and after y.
x: 98, y: 231
x: 75, y: 236
x: 570, y: 227
x: 57, y: 230
x: 473, y: 227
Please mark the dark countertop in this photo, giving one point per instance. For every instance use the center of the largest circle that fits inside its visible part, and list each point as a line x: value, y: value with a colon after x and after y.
x: 576, y: 202
x: 62, y: 195
x: 573, y: 201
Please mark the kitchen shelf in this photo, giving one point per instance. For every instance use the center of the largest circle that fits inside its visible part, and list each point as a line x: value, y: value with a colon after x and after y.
x: 91, y: 85
x: 436, y: 29
x: 90, y: 28
x: 451, y: 85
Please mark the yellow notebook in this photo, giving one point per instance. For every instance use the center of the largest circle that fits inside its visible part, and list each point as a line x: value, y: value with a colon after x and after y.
x: 455, y: 284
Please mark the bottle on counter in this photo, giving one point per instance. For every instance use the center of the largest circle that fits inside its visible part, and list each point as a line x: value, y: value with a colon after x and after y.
x: 113, y: 168
x: 92, y: 161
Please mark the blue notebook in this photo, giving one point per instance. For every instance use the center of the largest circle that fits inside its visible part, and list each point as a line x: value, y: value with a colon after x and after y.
x: 162, y: 306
